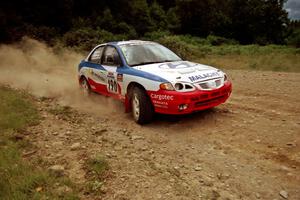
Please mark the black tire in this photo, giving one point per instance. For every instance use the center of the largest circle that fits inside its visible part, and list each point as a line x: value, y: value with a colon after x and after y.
x: 85, y: 86
x: 142, y: 109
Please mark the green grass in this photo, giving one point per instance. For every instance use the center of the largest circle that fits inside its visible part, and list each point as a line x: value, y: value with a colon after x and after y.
x: 19, y: 178
x: 265, y: 62
x: 230, y: 55
x: 250, y: 57
x: 16, y: 112
x: 97, y: 172
x: 97, y: 165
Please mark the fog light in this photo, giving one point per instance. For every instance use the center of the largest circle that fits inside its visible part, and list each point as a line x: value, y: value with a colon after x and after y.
x: 182, y: 107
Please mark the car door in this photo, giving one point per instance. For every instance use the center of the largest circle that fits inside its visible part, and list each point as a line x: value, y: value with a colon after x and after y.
x: 96, y: 73
x: 110, y: 62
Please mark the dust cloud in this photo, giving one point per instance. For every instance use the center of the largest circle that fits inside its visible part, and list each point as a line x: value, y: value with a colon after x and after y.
x: 33, y: 66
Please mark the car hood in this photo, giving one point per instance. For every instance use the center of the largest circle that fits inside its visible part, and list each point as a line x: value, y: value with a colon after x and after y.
x: 181, y: 71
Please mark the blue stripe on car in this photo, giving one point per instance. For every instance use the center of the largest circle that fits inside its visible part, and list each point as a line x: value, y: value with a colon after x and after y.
x: 90, y: 65
x: 135, y: 72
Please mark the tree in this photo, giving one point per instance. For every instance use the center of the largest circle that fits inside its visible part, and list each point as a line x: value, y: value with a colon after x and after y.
x: 248, y: 21
x: 260, y: 21
x: 158, y: 16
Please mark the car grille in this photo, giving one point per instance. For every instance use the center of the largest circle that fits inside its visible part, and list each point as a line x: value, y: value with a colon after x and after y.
x: 210, y: 97
x: 210, y: 101
x: 211, y: 84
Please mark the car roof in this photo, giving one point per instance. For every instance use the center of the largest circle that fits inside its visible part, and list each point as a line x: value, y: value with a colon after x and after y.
x: 131, y: 42
x: 120, y: 43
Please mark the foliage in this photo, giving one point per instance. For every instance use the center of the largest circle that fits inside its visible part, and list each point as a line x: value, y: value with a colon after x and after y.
x: 255, y: 21
x: 158, y: 16
x: 294, y: 38
x: 183, y: 49
x: 87, y: 38
x: 155, y: 35
x: 217, y: 41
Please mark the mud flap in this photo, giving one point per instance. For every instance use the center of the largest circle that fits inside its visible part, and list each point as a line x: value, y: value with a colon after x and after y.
x: 127, y: 104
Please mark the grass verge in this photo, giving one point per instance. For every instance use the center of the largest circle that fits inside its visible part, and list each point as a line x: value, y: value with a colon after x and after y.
x: 19, y: 178
x: 234, y: 56
x: 97, y: 168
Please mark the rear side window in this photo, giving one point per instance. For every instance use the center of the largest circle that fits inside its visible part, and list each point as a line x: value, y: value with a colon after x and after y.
x: 111, y: 57
x: 96, y: 55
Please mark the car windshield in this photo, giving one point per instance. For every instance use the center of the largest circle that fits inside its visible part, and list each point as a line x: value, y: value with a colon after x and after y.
x: 147, y: 53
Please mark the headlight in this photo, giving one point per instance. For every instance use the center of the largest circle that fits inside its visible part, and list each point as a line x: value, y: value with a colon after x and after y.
x: 166, y: 86
x: 184, y: 87
x: 179, y: 86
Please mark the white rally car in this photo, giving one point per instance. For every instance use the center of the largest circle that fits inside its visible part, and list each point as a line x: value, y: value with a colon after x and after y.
x: 150, y: 78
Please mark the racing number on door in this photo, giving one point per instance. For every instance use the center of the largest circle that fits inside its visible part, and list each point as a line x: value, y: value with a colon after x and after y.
x: 112, y: 85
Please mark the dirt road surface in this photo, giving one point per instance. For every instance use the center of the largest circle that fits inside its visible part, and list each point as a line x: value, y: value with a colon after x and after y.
x: 247, y: 148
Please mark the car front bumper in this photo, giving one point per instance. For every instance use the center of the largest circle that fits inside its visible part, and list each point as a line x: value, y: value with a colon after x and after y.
x: 172, y: 102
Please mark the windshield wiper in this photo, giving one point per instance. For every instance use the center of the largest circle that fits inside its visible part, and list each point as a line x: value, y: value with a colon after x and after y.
x: 145, y: 63
x: 170, y: 60
x: 152, y: 62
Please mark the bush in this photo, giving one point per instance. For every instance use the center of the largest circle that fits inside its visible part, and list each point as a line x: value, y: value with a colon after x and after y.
x: 155, y: 35
x: 86, y: 38
x: 124, y: 28
x: 180, y: 47
x: 44, y: 33
x: 217, y: 41
x: 194, y: 40
x: 294, y: 38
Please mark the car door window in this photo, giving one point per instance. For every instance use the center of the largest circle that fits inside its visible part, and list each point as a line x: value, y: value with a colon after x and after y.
x: 96, y: 55
x: 111, y: 57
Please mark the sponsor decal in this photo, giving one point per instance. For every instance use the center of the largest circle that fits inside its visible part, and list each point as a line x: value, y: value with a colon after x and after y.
x: 112, y: 85
x: 160, y: 102
x: 110, y: 75
x: 175, y: 66
x: 162, y: 97
x: 98, y: 75
x: 204, y: 76
x: 160, y: 106
x: 120, y: 77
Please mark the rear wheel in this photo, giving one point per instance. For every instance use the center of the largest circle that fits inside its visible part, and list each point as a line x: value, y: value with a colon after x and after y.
x: 85, y: 86
x: 142, y: 109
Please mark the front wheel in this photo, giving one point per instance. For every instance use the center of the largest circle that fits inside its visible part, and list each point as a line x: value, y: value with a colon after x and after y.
x: 142, y: 109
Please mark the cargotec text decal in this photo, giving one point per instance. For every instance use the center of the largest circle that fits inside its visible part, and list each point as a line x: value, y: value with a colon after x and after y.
x: 162, y: 97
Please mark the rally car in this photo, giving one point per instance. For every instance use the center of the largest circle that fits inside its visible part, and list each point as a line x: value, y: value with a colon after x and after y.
x: 149, y: 78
